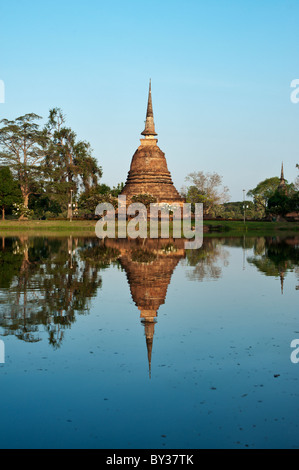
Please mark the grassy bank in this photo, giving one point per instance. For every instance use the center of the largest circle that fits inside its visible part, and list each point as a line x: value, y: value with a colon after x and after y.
x: 249, y: 226
x: 89, y: 225
x: 64, y: 225
x: 47, y: 227
x: 79, y: 227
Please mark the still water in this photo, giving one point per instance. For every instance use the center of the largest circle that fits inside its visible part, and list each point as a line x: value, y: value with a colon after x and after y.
x: 127, y: 345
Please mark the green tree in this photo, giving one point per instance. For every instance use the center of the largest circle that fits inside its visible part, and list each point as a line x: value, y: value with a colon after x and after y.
x: 43, y: 206
x: 102, y: 188
x: 116, y: 190
x: 281, y: 203
x: 91, y: 197
x: 22, y: 149
x: 9, y: 190
x: 262, y: 193
x: 69, y: 164
x: 235, y: 210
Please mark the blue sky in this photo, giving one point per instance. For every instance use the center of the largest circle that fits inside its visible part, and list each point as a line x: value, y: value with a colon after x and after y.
x: 221, y: 73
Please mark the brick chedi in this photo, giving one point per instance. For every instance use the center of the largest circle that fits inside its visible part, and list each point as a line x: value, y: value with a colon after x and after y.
x: 148, y: 172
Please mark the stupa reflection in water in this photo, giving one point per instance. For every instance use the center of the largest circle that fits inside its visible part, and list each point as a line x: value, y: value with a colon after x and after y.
x: 149, y: 266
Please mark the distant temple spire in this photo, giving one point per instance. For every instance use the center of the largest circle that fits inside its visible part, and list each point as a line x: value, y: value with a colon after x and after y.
x: 282, y: 181
x: 149, y: 131
x: 282, y: 184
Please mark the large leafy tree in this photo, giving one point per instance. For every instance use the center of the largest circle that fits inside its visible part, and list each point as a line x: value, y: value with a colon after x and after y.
x: 206, y: 189
x: 262, y: 193
x: 69, y: 165
x: 97, y: 194
x: 90, y: 198
x: 9, y: 190
x: 235, y: 210
x: 266, y: 190
x: 43, y: 207
x: 281, y: 203
x: 22, y: 149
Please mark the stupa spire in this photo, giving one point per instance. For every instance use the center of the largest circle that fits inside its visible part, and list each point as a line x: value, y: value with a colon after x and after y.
x: 149, y: 345
x: 149, y: 131
x: 282, y: 184
x: 282, y: 174
x: 149, y: 112
x: 149, y: 173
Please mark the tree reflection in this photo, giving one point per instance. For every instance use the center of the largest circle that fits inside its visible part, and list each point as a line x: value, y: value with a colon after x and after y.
x: 46, y: 282
x: 207, y: 261
x: 279, y: 255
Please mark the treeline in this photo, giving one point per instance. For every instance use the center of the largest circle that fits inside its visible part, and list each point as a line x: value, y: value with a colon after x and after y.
x: 45, y: 169
x: 46, y: 172
x: 272, y: 199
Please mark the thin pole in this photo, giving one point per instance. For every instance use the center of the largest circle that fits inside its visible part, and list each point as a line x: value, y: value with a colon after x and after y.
x: 71, y: 213
x: 243, y: 251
